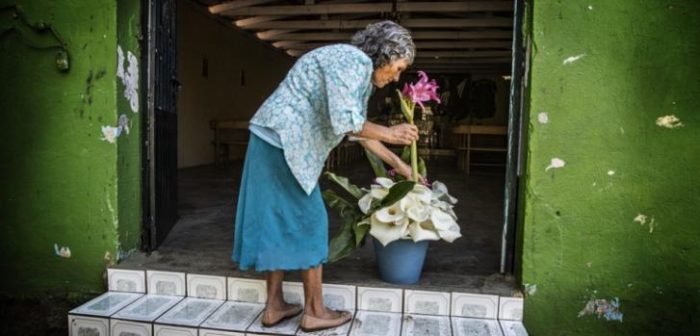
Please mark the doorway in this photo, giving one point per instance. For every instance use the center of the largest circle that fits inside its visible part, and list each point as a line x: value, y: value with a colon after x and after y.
x: 207, y: 174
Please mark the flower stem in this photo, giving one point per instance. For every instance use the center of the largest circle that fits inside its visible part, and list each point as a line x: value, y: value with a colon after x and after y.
x: 414, y: 161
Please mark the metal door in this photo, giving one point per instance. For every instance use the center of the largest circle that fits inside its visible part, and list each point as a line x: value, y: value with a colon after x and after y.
x: 161, y: 145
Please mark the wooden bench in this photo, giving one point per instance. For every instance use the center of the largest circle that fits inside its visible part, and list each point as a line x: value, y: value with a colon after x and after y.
x: 228, y: 133
x: 466, y: 145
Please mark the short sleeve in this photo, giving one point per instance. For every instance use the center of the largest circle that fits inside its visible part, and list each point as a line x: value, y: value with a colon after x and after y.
x: 347, y: 80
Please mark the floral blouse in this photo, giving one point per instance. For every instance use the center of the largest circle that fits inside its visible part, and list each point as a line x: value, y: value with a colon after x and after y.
x: 323, y: 97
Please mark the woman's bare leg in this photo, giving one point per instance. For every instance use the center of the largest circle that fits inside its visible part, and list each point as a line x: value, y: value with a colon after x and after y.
x: 275, y: 308
x: 313, y: 294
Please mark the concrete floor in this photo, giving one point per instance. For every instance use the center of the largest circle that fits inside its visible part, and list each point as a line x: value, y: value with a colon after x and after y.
x: 201, y: 241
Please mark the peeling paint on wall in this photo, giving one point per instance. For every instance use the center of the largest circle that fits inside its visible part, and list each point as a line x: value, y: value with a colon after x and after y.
x: 573, y: 59
x: 62, y: 251
x: 129, y: 77
x: 669, y: 121
x: 110, y: 133
x: 555, y: 163
x: 543, y: 117
x: 530, y: 289
x: 642, y: 220
x: 610, y: 310
x: 611, y: 172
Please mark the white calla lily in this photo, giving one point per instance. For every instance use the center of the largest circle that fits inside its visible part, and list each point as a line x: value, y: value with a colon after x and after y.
x: 365, y: 203
x: 451, y: 234
x: 423, y: 231
x: 390, y: 214
x: 378, y: 191
x: 414, y: 209
x: 386, y: 233
x: 422, y: 193
x: 384, y: 182
x: 444, y: 206
x: 441, y: 220
x: 440, y: 192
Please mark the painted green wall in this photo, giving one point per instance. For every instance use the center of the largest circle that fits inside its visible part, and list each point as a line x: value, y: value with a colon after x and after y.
x: 60, y: 182
x: 604, y: 72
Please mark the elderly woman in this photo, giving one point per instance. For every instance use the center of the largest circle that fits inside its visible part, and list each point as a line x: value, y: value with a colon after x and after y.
x: 281, y: 221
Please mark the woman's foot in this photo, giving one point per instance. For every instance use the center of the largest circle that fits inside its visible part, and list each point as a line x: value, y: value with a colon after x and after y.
x: 326, y: 319
x: 274, y: 315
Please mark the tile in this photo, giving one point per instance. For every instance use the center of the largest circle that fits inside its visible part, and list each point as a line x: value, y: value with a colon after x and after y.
x: 82, y: 325
x: 190, y: 312
x: 247, y: 290
x: 148, y: 308
x: 234, y: 316
x: 209, y: 332
x: 129, y: 328
x: 106, y: 304
x: 166, y: 283
x: 293, y: 292
x: 287, y: 327
x: 338, y: 331
x: 513, y: 328
x: 166, y: 330
x: 380, y: 299
x: 426, y: 325
x: 474, y: 305
x: 464, y: 326
x: 206, y: 286
x: 339, y: 297
x: 510, y: 308
x: 427, y: 303
x: 369, y: 323
x: 126, y: 280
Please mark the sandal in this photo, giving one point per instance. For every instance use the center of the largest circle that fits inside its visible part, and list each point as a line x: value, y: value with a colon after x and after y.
x: 293, y: 311
x: 310, y: 324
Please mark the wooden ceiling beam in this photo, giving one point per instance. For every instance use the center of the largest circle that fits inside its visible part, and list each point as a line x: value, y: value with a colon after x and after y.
x: 385, y: 7
x: 462, y: 54
x: 359, y: 24
x: 451, y: 61
x: 256, y: 19
x: 421, y: 46
x: 418, y: 35
x: 236, y: 5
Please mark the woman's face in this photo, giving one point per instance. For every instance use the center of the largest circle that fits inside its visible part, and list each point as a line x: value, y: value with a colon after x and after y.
x: 389, y: 72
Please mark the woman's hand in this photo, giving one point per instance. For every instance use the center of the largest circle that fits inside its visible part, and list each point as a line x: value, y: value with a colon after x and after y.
x: 405, y: 171
x: 402, y: 134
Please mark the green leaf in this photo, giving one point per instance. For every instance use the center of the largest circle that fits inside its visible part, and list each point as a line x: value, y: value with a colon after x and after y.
x: 345, y: 184
x: 406, y: 154
x: 396, y: 193
x: 360, y: 233
x: 377, y: 164
x: 422, y: 170
x: 344, y: 208
x: 405, y: 109
x: 343, y: 244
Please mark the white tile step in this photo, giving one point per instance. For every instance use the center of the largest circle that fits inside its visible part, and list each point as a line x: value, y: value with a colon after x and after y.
x: 144, y: 303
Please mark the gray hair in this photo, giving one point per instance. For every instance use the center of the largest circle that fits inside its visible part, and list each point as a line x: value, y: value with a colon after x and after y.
x: 385, y: 42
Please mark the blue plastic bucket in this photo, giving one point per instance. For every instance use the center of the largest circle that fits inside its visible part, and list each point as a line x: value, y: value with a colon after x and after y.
x: 401, y: 261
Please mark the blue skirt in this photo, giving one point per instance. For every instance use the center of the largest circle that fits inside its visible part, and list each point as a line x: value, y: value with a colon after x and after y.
x: 277, y: 225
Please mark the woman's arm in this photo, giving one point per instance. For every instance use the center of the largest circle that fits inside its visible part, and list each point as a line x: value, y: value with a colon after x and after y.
x: 386, y: 155
x: 402, y: 134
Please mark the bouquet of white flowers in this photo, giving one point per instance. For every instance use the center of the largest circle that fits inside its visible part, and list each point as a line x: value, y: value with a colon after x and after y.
x: 394, y: 208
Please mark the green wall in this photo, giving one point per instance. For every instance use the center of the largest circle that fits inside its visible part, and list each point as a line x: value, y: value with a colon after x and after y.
x: 620, y: 218
x: 60, y: 182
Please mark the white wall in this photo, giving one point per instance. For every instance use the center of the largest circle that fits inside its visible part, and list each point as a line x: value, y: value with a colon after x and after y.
x: 220, y: 95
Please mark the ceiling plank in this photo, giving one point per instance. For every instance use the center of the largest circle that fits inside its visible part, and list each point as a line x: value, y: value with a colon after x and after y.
x: 359, y: 24
x: 236, y: 5
x: 463, y: 54
x: 421, y: 46
x: 422, y: 62
x: 477, y: 44
x: 385, y: 7
x: 256, y: 19
x: 418, y: 35
x: 271, y: 34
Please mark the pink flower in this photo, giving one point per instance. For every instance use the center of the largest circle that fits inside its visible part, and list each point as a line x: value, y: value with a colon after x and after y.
x: 422, y: 90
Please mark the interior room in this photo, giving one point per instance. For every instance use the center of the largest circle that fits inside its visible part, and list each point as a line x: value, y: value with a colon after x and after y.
x: 230, y: 58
